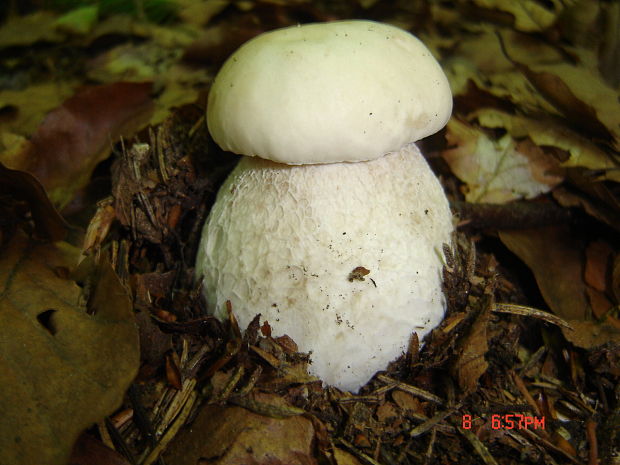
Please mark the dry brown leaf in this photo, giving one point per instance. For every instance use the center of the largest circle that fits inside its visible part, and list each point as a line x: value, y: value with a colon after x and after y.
x: 601, y: 305
x: 406, y: 401
x: 586, y: 102
x: 218, y: 42
x: 589, y: 89
x: 386, y: 412
x: 479, y: 59
x: 99, y: 225
x: 200, y: 13
x: 615, y: 277
x: 180, y: 84
x: 23, y: 186
x: 29, y: 29
x: 606, y: 359
x: 482, y: 48
x: 536, y: 77
x: 471, y: 363
x: 173, y: 372
x: 545, y: 132
x: 609, y: 50
x: 592, y: 206
x: 62, y: 368
x: 590, y: 334
x: 528, y: 15
x: 25, y: 109
x: 555, y: 259
x: 287, y: 373
x: 498, y: 171
x: 75, y: 137
x: 129, y: 62
x: 598, y: 261
x: 90, y: 451
x: 167, y: 36
x: 579, y: 22
x: 342, y: 457
x: 233, y: 435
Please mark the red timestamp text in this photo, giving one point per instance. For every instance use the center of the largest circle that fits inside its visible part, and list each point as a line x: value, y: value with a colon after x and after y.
x: 508, y: 421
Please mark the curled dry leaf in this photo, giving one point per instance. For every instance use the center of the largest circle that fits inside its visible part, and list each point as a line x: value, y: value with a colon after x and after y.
x: 63, y: 368
x: 23, y: 186
x: 99, y: 225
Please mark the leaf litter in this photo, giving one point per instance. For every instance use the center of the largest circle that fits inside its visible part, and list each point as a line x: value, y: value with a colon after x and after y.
x: 521, y: 112
x: 63, y: 368
x: 478, y: 364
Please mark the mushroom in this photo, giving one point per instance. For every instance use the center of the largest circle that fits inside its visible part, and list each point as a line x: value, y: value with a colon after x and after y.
x: 332, y: 224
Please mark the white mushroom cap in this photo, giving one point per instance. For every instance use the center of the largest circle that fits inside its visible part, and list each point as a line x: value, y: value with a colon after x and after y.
x: 329, y: 92
x: 286, y: 242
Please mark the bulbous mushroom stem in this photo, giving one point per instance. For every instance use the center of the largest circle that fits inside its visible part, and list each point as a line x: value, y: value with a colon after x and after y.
x: 345, y: 258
